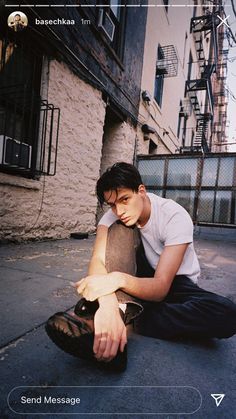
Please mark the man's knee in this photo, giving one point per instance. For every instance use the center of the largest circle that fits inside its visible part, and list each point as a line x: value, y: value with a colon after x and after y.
x: 121, y: 246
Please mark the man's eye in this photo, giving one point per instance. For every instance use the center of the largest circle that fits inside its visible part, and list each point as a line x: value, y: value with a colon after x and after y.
x: 125, y: 200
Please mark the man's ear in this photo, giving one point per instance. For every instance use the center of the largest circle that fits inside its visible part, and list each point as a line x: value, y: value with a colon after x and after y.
x: 142, y: 189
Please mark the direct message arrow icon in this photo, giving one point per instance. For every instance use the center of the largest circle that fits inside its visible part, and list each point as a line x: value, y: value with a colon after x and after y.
x: 218, y: 398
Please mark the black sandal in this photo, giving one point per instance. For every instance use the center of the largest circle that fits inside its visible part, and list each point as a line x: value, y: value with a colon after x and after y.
x: 76, y: 338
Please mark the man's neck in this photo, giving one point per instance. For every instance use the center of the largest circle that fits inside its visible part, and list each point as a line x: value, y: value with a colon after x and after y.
x: 145, y: 213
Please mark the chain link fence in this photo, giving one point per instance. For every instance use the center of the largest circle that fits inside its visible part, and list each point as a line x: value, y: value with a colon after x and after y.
x: 205, y: 185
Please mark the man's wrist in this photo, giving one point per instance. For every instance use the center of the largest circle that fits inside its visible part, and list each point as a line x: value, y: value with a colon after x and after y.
x: 109, y: 300
x: 120, y: 279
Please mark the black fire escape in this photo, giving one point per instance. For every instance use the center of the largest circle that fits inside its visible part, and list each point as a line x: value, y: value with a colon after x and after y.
x: 221, y: 97
x: 200, y: 27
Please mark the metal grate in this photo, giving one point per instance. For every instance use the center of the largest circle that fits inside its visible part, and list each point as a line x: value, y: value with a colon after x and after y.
x: 48, y: 139
x: 193, y: 86
x: 167, y: 65
x: 198, y: 38
x: 35, y: 152
x: 205, y: 22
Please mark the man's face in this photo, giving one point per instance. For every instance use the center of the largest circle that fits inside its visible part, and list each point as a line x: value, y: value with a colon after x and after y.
x: 127, y: 205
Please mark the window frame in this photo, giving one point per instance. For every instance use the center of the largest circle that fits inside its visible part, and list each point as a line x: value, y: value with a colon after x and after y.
x: 117, y: 44
x: 159, y: 81
x: 166, y: 4
x: 29, y: 129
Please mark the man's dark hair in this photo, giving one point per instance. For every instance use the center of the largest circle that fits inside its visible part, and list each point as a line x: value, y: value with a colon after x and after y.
x: 120, y: 175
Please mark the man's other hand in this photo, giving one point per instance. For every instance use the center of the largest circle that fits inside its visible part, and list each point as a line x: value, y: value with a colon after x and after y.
x: 95, y: 286
x: 110, y: 334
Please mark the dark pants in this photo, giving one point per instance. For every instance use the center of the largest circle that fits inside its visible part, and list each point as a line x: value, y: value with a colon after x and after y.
x: 186, y: 311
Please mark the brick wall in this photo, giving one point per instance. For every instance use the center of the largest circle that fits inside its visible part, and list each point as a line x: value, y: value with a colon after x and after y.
x: 118, y: 145
x: 68, y: 199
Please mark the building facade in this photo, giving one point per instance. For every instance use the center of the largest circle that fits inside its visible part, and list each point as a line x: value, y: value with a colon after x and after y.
x: 184, y: 105
x: 84, y: 87
x: 70, y: 89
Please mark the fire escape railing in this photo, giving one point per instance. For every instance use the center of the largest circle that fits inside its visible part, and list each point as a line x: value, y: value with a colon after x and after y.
x: 28, y: 136
x: 167, y: 65
x: 207, y: 23
x: 200, y: 26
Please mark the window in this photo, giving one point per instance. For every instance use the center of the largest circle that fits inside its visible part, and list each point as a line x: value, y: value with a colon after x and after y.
x: 184, y: 132
x: 180, y: 118
x: 111, y: 21
x: 194, y: 8
x: 114, y: 6
x: 25, y: 142
x: 152, y: 147
x: 192, y: 137
x: 166, y: 2
x: 190, y: 64
x: 159, y: 80
x: 20, y: 83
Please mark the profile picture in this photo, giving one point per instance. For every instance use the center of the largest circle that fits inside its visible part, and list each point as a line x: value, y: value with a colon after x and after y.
x: 17, y: 21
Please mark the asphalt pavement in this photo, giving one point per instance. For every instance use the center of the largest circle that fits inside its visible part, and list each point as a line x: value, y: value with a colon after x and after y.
x: 164, y: 379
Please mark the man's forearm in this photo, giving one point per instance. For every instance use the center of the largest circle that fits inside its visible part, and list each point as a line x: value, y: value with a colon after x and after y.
x: 100, y: 283
x: 156, y: 288
x: 97, y: 267
x: 150, y: 289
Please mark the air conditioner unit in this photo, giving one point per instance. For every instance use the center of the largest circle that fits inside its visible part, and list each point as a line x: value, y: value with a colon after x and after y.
x: 14, y: 153
x: 106, y: 24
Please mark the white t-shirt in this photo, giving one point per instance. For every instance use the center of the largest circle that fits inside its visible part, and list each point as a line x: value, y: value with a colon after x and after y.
x: 169, y: 224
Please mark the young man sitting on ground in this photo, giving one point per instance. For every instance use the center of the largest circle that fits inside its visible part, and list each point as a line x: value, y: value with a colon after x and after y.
x: 144, y: 270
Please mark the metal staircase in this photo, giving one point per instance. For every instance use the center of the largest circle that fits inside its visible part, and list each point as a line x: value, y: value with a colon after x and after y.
x: 200, y: 139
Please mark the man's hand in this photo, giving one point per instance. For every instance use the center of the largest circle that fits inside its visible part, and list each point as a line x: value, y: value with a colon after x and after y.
x: 110, y: 333
x: 94, y: 286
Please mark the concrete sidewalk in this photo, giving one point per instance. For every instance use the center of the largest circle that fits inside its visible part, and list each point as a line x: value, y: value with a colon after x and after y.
x: 163, y: 378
